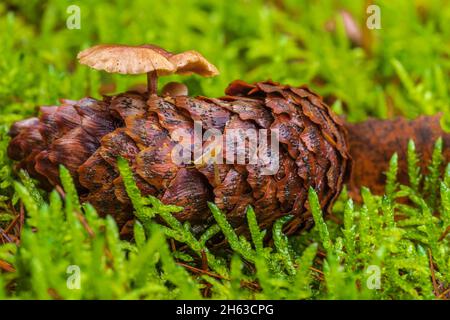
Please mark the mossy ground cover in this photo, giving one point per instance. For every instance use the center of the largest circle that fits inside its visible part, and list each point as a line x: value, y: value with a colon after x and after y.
x: 394, y: 246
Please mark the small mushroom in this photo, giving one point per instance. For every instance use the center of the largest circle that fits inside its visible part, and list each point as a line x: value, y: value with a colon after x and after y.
x: 128, y: 60
x: 174, y: 89
x: 149, y: 59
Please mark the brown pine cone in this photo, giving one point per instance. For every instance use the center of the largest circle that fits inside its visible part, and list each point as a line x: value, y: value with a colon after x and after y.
x: 88, y: 135
x: 373, y: 142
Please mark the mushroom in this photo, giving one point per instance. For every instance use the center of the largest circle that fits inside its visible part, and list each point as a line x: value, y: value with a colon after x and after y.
x: 189, y: 62
x: 149, y: 59
x: 174, y: 89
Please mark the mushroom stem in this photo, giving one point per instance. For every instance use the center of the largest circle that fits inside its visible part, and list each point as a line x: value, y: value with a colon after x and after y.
x: 152, y: 82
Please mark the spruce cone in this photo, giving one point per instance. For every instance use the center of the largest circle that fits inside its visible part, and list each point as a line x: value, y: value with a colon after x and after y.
x: 88, y: 135
x: 389, y: 137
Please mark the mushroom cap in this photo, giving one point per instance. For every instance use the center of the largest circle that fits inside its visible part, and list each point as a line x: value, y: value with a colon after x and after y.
x: 175, y: 89
x: 190, y: 62
x: 124, y: 59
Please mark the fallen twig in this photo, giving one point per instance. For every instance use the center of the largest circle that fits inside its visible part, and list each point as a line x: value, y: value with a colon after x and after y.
x: 6, y: 266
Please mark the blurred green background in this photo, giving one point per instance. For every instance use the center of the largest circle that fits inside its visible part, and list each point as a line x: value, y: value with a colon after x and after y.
x: 400, y: 69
